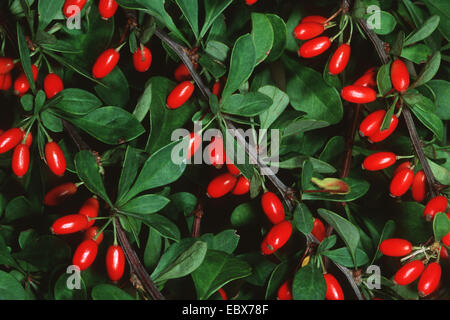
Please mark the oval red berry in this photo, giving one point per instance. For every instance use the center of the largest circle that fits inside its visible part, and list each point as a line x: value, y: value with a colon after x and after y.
x: 21, y: 160
x: 90, y: 209
x: 308, y: 30
x: 276, y: 237
x: 401, y: 182
x: 379, y: 136
x: 70, y: 224
x: 334, y: 290
x: 58, y: 194
x: 318, y: 230
x: 395, y: 247
x: 9, y: 139
x: 314, y: 47
x: 242, y: 186
x: 372, y: 123
x: 379, y: 161
x: 399, y: 76
x: 180, y: 94
x: 358, y: 94
x: 409, y: 272
x: 272, y: 207
x: 435, y: 205
x: 6, y: 65
x: 221, y: 185
x: 85, y: 254
x: 142, y: 59
x: 52, y: 85
x: 340, y: 59
x: 285, y: 292
x: 419, y: 186
x: 115, y: 262
x: 107, y: 8
x: 92, y: 232
x: 55, y: 158
x: 429, y: 280
x: 105, y: 63
x: 367, y: 79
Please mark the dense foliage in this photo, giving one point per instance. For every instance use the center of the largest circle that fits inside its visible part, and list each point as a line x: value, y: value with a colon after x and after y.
x: 323, y: 208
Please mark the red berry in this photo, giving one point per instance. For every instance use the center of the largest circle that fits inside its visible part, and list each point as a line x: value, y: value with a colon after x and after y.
x: 379, y: 161
x: 182, y: 72
x: 55, y: 158
x: 372, y: 123
x: 435, y: 205
x: 5, y: 81
x: 316, y: 19
x: 395, y: 247
x: 308, y: 30
x: 223, y: 294
x: 221, y: 185
x: 180, y: 94
x: 6, y: 65
x: 21, y: 85
x: 115, y: 262
x: 429, y: 281
x: 250, y: 2
x: 409, y: 272
x: 276, y: 237
x: 217, y: 88
x: 85, y: 254
x: 242, y: 186
x: 105, y: 63
x: 403, y: 165
x: 21, y: 160
x: 401, y: 182
x: 10, y: 139
x: 69, y: 224
x: 358, y: 94
x: 52, y: 85
x: 216, y: 152
x: 90, y: 209
x: 107, y: 8
x: 367, y: 80
x: 195, y: 141
x: 339, y: 60
x: 419, y: 186
x: 58, y: 194
x: 272, y: 207
x: 68, y: 9
x: 285, y: 291
x: 334, y: 290
x: 314, y: 47
x: 91, y: 233
x: 381, y: 135
x: 399, y: 76
x: 142, y: 59
x: 233, y: 169
x: 318, y: 230
x: 446, y: 239
x: 444, y: 253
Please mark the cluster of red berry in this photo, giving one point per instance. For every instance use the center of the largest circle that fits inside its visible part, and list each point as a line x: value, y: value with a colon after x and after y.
x: 84, y: 220
x: 429, y: 272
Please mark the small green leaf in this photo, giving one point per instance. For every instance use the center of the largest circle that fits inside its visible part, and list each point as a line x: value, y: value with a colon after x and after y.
x: 424, y: 31
x: 247, y: 105
x: 343, y: 257
x: 146, y: 204
x: 309, y: 284
x: 441, y: 226
x: 303, y: 219
x: 109, y: 292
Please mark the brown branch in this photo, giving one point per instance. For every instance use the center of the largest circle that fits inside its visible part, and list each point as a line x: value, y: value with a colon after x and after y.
x: 350, y: 141
x: 136, y: 265
x: 198, y: 214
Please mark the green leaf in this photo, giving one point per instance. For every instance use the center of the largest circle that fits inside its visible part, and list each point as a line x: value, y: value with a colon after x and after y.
x: 309, y: 284
x: 213, y: 9
x: 344, y: 258
x: 111, y: 125
x: 307, y: 174
x: 186, y: 263
x: 115, y: 91
x: 384, y: 79
x: 226, y: 241
x: 190, y: 12
x: 358, y: 188
x: 188, y: 251
x: 388, y: 118
x: 410, y: 221
x: 25, y: 57
x: 429, y: 71
x: 442, y: 90
x: 309, y: 93
x: 424, y: 31
x: 344, y: 228
x: 152, y: 249
x: 18, y: 208
x: 386, y: 23
x: 88, y: 171
x: 129, y: 172
x: 441, y: 226
x: 146, y: 204
x: 217, y: 50
x: 418, y: 53
x: 48, y: 11
x: 303, y: 125
x: 109, y: 292
x: 387, y: 233
x: 280, y: 101
x: 158, y: 170
x: 164, y: 226
x: 429, y: 120
x: 263, y: 36
x: 298, y: 161
x: 27, y: 102
x: 440, y: 173
x: 247, y: 105
x: 10, y: 288
x: 76, y: 102
x: 279, y: 41
x: 261, y: 268
x: 218, y: 269
x: 441, y: 8
x: 243, y: 59
x: 303, y: 219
